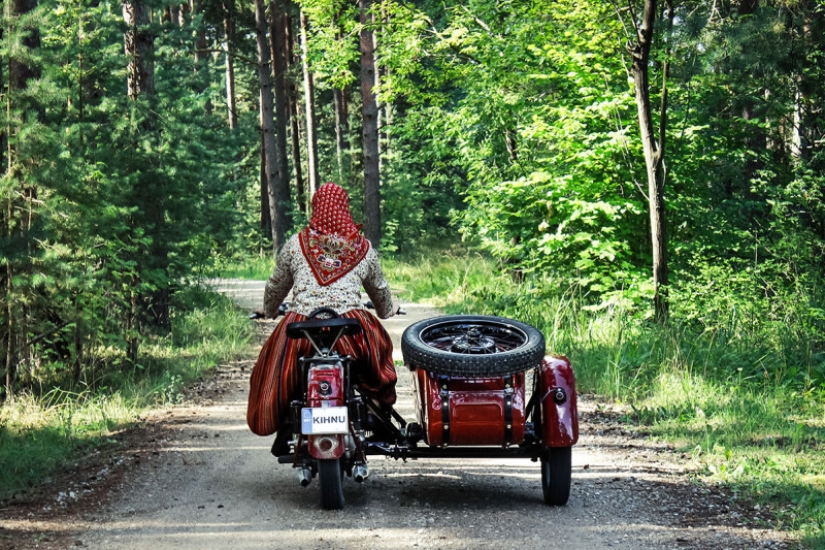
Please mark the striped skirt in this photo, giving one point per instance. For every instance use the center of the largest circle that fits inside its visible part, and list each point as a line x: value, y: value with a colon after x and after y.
x: 275, y: 380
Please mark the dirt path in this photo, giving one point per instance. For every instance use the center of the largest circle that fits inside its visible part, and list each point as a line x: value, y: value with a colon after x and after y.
x: 194, y: 477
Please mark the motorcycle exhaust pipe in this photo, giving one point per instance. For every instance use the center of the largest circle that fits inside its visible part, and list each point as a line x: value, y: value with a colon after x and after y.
x: 360, y: 473
x: 304, y: 476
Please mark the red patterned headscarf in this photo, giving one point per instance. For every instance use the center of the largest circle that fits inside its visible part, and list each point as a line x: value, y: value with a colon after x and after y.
x: 332, y: 243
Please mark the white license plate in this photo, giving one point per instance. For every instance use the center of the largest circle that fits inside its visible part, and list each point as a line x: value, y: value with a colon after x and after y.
x: 324, y: 420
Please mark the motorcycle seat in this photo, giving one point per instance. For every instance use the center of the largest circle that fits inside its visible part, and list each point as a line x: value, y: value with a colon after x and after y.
x: 316, y: 327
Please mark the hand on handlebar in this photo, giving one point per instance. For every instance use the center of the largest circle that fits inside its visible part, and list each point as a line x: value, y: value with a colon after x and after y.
x: 398, y: 311
x: 260, y: 314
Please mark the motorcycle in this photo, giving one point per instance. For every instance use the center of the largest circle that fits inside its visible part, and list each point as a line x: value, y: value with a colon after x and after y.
x: 470, y: 376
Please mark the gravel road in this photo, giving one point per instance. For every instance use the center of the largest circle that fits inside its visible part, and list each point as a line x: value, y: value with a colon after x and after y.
x: 194, y: 477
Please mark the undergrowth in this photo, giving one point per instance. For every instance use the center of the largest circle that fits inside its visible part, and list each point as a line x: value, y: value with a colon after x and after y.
x: 745, y: 399
x: 42, y: 431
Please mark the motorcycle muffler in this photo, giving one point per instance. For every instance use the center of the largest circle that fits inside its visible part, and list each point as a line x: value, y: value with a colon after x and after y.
x: 360, y: 473
x: 304, y: 476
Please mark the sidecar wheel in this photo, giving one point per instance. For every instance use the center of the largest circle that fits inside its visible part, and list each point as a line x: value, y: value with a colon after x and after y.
x: 472, y: 345
x: 330, y: 478
x: 556, y: 472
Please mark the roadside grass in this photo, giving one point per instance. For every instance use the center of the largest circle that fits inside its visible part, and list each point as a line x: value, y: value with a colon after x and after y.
x: 747, y: 405
x: 40, y: 434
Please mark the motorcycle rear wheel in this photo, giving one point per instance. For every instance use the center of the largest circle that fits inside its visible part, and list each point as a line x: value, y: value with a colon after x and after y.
x: 330, y: 478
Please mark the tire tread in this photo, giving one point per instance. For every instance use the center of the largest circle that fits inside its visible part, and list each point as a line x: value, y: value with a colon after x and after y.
x: 417, y: 354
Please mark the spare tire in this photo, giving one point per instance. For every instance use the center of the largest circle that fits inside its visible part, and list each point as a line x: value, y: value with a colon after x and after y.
x: 472, y: 345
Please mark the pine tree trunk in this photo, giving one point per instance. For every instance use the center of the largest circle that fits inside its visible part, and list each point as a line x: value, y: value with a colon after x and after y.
x: 6, y: 329
x: 201, y: 65
x: 139, y: 42
x: 8, y: 339
x: 340, y: 132
x: 276, y: 203
x: 277, y: 40
x: 174, y: 15
x: 229, y: 33
x: 294, y: 118
x: 387, y: 108
x: 342, y: 144
x: 376, y: 86
x: 266, y: 216
x: 353, y: 154
x: 369, y: 111
x: 201, y: 45
x: 654, y: 154
x: 309, y: 105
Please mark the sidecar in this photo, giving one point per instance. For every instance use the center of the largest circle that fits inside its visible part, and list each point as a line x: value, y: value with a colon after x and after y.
x: 485, y: 388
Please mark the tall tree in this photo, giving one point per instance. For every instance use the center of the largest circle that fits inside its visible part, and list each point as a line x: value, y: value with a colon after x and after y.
x: 653, y: 146
x: 150, y: 288
x: 229, y: 39
x: 369, y: 113
x: 342, y: 146
x: 309, y: 105
x: 278, y: 204
x: 139, y: 45
x: 294, y: 119
x: 21, y: 196
x: 341, y: 108
x: 277, y: 37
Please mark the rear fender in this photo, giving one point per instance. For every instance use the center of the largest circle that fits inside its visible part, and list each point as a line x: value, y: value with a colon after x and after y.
x: 326, y: 388
x: 557, y: 396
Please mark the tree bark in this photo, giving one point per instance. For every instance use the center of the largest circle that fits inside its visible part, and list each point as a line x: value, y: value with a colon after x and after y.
x: 342, y: 143
x: 139, y: 42
x: 376, y: 32
x: 341, y: 133
x: 266, y: 219
x: 294, y: 119
x: 369, y: 112
x: 201, y: 45
x: 229, y: 33
x: 654, y: 153
x: 309, y: 105
x: 276, y: 203
x: 279, y: 64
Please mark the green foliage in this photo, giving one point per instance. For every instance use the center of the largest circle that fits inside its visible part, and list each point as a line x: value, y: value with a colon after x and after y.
x: 39, y: 434
x: 113, y: 202
x: 727, y: 380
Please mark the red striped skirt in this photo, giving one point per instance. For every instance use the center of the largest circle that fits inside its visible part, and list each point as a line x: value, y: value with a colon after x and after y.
x: 275, y: 378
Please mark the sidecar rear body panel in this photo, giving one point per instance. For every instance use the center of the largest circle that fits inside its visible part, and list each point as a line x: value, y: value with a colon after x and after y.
x: 456, y: 410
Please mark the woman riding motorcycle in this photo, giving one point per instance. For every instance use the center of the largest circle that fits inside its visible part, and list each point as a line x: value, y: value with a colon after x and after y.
x: 325, y: 265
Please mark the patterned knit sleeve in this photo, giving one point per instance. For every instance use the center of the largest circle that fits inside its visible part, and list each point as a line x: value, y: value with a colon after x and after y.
x: 280, y: 282
x: 378, y: 289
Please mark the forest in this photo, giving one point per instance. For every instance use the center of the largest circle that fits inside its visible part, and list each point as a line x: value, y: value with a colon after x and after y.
x: 652, y: 165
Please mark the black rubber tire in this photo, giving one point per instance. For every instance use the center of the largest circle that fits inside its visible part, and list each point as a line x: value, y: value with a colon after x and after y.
x: 418, y: 354
x: 556, y: 473
x: 330, y: 478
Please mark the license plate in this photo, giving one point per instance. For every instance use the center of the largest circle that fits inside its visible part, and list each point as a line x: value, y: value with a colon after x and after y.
x: 324, y: 420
